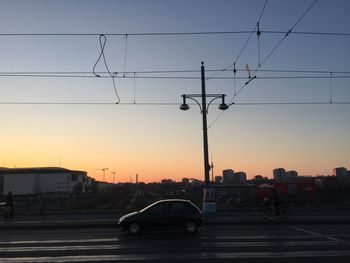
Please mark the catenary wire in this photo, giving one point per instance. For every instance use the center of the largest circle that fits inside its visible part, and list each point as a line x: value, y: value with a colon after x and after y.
x: 171, y: 103
x: 176, y: 71
x: 266, y: 58
x: 174, y: 33
x: 174, y: 77
x: 243, y: 48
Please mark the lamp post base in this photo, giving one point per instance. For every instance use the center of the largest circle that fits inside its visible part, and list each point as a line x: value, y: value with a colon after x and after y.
x: 209, y: 204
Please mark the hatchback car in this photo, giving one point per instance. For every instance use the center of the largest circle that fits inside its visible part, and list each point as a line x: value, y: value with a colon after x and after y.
x: 164, y: 214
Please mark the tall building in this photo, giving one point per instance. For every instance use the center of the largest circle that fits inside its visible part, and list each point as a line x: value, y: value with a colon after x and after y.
x: 279, y: 174
x: 240, y: 177
x: 340, y: 172
x: 228, y: 176
x: 291, y: 175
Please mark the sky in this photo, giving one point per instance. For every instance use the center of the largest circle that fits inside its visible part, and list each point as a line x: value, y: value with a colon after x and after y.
x: 74, y: 122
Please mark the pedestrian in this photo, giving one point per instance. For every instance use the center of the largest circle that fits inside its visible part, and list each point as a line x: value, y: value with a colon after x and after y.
x: 9, y: 205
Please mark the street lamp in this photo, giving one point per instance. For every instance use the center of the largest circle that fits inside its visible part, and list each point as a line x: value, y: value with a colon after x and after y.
x: 104, y: 173
x: 184, y: 106
x: 209, y: 206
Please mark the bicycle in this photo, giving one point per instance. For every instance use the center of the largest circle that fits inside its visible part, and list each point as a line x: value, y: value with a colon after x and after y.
x: 268, y: 211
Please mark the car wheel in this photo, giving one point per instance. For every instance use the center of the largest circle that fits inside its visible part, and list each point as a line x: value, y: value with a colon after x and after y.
x: 134, y: 228
x: 191, y: 227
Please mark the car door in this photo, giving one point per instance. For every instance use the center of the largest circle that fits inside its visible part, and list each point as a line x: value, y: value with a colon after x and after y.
x: 154, y: 217
x: 175, y: 216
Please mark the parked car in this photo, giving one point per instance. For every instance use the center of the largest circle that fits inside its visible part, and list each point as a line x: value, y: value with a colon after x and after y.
x: 164, y: 214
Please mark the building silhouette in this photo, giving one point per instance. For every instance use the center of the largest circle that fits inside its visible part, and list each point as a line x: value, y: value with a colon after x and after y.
x: 340, y: 172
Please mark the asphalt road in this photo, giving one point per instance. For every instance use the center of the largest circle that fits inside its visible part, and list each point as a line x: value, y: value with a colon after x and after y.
x: 214, y: 243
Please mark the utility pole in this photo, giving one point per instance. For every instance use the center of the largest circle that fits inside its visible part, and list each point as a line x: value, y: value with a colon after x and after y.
x: 209, y: 206
x: 212, y: 169
x: 205, y: 128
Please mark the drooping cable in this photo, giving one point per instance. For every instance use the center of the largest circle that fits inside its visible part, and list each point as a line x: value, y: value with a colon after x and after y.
x: 102, y: 41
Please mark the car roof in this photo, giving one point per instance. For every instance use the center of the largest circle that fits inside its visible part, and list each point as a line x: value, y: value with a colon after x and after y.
x: 173, y: 200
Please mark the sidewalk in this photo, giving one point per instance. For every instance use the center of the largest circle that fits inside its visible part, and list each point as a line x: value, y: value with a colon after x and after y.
x: 109, y: 219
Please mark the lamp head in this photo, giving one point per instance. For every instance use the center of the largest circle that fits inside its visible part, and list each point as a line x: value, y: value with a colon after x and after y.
x: 223, y: 105
x: 184, y: 106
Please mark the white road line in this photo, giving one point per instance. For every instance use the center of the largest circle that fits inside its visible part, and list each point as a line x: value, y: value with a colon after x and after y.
x: 274, y: 244
x: 257, y: 237
x: 99, y: 240
x: 315, y: 234
x: 135, y: 246
x: 178, y: 256
x: 61, y: 248
x: 58, y: 241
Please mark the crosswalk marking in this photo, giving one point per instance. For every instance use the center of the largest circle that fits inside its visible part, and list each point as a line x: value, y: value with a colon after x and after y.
x: 90, y: 240
x: 211, y: 244
x: 207, y: 255
x: 121, y: 248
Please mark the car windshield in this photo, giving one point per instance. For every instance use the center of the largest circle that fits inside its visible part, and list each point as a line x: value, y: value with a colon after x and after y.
x: 148, y: 207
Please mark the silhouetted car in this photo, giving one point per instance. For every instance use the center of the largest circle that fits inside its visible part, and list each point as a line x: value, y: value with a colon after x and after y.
x: 164, y: 214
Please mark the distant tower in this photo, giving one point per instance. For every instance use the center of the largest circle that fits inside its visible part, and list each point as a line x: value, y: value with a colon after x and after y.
x: 137, y: 178
x: 212, y: 169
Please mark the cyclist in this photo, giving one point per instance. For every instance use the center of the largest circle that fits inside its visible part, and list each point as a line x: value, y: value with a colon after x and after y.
x: 275, y: 201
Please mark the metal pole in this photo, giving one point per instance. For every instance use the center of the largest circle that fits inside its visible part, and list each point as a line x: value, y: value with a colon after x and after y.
x: 205, y: 129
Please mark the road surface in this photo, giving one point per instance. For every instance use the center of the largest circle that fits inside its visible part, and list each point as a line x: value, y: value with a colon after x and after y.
x: 214, y: 243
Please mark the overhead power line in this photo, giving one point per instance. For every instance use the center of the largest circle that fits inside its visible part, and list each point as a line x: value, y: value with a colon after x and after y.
x: 170, y: 103
x: 174, y: 33
x: 171, y: 77
x: 176, y: 71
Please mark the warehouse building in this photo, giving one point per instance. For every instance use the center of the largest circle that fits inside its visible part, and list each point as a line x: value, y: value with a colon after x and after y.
x: 42, y: 180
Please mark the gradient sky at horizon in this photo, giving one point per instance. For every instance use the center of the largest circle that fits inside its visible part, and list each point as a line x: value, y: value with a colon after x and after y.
x: 160, y: 141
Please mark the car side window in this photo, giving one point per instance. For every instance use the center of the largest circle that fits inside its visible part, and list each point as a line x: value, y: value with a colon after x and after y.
x: 158, y: 209
x: 190, y: 209
x: 176, y: 208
